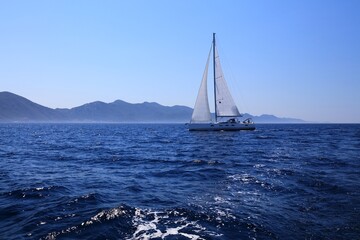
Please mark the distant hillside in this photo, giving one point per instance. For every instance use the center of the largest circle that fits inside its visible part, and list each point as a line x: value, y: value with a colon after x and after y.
x: 266, y: 118
x: 17, y: 108
x: 14, y: 108
x: 120, y: 111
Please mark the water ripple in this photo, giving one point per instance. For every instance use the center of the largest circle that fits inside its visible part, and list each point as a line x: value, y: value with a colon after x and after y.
x: 160, y: 181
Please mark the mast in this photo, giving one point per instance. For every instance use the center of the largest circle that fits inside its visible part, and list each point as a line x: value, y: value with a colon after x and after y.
x: 214, y: 76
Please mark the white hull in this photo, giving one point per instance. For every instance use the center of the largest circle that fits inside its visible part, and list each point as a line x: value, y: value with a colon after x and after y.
x: 223, y: 126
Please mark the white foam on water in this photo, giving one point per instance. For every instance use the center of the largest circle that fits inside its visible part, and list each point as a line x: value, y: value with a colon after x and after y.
x: 144, y: 227
x: 106, y: 214
x: 147, y: 225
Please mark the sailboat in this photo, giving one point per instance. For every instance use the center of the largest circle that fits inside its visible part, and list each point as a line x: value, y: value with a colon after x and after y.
x: 226, y: 112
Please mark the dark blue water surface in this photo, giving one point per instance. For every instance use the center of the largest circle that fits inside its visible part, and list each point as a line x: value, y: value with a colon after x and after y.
x: 160, y: 181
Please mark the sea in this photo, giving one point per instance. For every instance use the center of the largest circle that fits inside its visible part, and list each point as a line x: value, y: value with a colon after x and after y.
x: 160, y: 181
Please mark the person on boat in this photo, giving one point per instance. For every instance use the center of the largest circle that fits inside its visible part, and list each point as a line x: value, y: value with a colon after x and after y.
x: 247, y: 121
x: 232, y: 120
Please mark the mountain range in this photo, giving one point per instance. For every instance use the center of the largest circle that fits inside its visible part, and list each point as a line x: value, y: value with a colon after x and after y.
x: 15, y: 108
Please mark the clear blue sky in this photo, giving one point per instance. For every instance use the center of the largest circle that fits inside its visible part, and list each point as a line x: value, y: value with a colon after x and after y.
x: 289, y: 58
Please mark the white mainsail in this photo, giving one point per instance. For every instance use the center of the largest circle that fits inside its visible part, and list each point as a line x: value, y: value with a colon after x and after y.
x: 225, y: 105
x: 201, y: 111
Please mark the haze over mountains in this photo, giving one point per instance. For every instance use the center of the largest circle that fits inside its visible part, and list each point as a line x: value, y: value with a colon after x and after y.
x: 14, y: 108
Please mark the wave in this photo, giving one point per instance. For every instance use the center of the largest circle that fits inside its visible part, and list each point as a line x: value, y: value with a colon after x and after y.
x: 126, y: 222
x: 35, y: 192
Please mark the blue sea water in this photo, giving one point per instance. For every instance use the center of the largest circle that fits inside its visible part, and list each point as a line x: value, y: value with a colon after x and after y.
x: 160, y: 181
